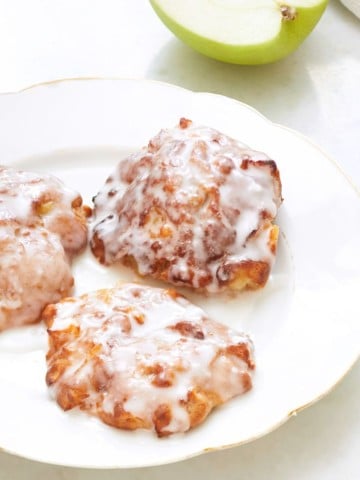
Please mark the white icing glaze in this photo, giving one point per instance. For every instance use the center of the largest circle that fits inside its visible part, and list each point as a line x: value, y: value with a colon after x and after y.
x: 194, y: 198
x: 42, y: 226
x: 131, y: 348
x: 38, y: 199
x: 34, y: 271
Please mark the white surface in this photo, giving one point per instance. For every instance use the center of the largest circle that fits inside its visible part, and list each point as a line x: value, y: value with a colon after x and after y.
x: 304, y: 314
x: 315, y: 91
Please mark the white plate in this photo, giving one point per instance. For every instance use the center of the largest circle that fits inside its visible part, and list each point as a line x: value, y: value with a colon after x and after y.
x: 304, y: 323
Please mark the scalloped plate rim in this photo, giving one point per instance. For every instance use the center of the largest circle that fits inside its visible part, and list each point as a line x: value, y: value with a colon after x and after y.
x: 239, y: 104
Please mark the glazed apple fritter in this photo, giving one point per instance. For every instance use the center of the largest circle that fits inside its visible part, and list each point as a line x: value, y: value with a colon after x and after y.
x: 194, y: 208
x: 34, y: 272
x: 143, y: 357
x: 33, y: 199
x: 42, y: 226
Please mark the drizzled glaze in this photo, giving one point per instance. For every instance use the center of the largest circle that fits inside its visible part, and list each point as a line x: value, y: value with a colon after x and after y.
x: 197, y: 211
x: 42, y: 226
x: 32, y: 199
x: 142, y: 357
x: 34, y: 271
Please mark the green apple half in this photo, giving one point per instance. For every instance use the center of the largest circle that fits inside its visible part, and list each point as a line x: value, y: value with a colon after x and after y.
x: 247, y: 32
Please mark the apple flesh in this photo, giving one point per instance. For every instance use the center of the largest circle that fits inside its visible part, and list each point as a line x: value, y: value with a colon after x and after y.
x: 248, y: 32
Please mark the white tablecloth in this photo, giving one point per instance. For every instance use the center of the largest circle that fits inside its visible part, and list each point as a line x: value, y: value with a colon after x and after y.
x: 315, y: 91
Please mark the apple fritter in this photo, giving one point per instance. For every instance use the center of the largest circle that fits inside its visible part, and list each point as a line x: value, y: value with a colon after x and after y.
x: 142, y: 357
x: 34, y: 271
x: 42, y: 226
x: 33, y: 199
x: 195, y: 208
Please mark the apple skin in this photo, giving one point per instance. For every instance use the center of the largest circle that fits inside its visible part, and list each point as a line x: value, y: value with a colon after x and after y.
x: 292, y: 34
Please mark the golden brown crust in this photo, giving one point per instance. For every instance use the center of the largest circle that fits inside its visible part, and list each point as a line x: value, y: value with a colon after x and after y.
x: 33, y: 199
x: 195, y: 208
x: 42, y: 226
x: 139, y: 357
